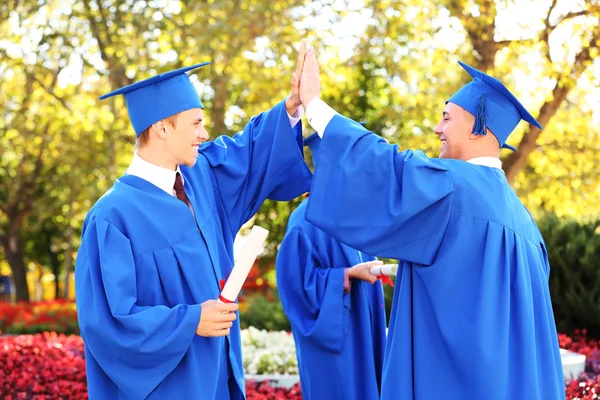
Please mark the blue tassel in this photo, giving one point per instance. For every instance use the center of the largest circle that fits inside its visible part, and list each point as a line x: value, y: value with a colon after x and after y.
x: 480, y: 128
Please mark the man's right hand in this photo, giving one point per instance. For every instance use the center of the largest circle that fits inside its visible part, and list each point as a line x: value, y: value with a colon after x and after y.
x: 310, y: 84
x: 363, y: 271
x: 216, y: 318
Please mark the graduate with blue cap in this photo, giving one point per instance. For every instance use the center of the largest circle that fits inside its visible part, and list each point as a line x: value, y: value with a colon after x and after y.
x: 472, y: 315
x: 335, y: 307
x: 157, y: 247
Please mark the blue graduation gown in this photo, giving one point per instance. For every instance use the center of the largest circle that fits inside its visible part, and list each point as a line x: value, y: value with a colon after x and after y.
x: 144, y: 266
x: 339, y: 337
x: 472, y: 316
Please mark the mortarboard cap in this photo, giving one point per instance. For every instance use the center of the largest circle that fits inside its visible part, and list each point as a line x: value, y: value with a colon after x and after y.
x: 492, y: 104
x: 159, y: 97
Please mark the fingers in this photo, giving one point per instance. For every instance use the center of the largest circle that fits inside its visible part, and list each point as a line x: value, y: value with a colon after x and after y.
x: 226, y: 307
x: 301, y: 55
x: 295, y: 85
x: 370, y: 264
x: 224, y: 316
x: 219, y: 332
x: 223, y: 325
x: 310, y: 67
x: 223, y: 332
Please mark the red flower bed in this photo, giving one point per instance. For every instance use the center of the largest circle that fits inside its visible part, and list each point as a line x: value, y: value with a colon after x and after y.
x: 51, y: 366
x: 43, y: 367
x: 586, y: 387
x: 263, y: 391
x: 45, y: 316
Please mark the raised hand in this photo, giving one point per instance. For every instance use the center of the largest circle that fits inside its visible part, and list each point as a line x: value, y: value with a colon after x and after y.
x: 363, y: 271
x: 310, y: 84
x: 216, y: 318
x: 293, y: 101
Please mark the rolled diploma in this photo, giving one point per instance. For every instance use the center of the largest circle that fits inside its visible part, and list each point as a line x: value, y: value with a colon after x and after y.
x: 241, y: 269
x: 385, y: 269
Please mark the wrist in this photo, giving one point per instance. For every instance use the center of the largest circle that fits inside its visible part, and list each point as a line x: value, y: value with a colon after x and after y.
x: 291, y: 106
x: 350, y: 273
x: 308, y: 100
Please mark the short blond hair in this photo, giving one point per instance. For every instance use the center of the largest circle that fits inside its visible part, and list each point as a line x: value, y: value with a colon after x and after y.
x: 144, y: 137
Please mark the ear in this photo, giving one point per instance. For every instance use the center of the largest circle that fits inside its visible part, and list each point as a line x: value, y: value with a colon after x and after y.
x: 473, y: 136
x: 160, y: 129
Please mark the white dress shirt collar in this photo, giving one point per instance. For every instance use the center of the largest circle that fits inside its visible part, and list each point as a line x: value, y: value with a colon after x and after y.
x: 160, y: 177
x: 491, y: 162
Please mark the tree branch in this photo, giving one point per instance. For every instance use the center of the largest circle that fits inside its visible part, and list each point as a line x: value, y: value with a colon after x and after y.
x: 503, y: 43
x: 51, y: 92
x: 566, y: 81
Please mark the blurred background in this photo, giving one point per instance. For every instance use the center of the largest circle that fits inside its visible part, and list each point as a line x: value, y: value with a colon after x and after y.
x: 389, y: 63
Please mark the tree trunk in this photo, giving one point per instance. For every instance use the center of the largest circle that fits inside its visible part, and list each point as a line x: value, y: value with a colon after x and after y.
x: 55, y: 263
x: 69, y: 253
x: 14, y: 255
x: 515, y: 162
x: 217, y: 112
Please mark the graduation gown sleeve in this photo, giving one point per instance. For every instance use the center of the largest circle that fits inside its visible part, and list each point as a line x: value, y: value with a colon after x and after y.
x: 370, y: 196
x: 137, y: 347
x: 264, y: 161
x: 312, y: 295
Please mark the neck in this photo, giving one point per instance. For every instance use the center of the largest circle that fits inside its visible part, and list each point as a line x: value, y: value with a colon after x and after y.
x: 469, y: 155
x: 156, y: 157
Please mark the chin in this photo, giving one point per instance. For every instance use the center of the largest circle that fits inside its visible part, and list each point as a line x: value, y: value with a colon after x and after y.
x: 190, y: 162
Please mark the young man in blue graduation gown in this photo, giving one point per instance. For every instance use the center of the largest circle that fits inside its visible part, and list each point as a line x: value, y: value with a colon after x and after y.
x: 336, y: 309
x: 472, y: 316
x: 156, y: 246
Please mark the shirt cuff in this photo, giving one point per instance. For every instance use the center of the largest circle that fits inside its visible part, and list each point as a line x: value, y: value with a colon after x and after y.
x: 294, y: 119
x: 319, y: 114
x: 347, y: 283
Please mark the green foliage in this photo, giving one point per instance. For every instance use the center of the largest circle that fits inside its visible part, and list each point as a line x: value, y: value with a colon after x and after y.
x: 264, y: 312
x: 62, y: 148
x: 574, y: 255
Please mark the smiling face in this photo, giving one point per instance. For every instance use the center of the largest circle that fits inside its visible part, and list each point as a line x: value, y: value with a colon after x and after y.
x: 183, y: 137
x: 454, y: 131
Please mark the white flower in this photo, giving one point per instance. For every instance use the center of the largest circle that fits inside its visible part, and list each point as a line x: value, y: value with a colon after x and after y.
x: 268, y: 353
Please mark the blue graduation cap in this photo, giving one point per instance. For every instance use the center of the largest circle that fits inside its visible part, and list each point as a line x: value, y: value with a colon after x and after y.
x: 493, y: 106
x: 159, y: 97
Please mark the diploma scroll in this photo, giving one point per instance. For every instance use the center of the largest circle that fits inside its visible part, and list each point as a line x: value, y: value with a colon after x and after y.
x: 384, y: 270
x: 252, y: 248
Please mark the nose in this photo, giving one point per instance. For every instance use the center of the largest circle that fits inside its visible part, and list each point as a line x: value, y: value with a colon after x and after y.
x: 438, y: 129
x: 203, y: 134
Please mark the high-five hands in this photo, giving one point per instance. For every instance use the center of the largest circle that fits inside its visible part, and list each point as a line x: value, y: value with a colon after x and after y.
x: 293, y: 101
x: 310, y: 84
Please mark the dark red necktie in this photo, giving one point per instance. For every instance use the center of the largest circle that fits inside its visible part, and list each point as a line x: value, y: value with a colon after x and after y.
x: 179, y: 191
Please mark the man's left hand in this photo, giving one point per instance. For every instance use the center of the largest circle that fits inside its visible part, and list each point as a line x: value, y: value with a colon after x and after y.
x: 293, y: 101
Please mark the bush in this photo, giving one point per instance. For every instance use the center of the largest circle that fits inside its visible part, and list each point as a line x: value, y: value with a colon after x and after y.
x: 574, y: 255
x: 264, y: 312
